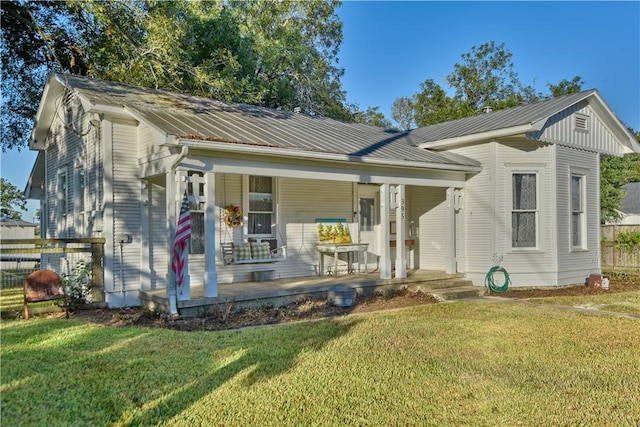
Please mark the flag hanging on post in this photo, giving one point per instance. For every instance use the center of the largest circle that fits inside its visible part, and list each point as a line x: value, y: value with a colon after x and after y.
x: 183, y: 233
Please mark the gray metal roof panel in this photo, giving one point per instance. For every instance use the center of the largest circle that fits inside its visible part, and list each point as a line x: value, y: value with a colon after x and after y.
x: 189, y: 117
x: 501, y: 119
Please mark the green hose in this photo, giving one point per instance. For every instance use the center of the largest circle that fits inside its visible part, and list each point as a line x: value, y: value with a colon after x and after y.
x: 491, y: 284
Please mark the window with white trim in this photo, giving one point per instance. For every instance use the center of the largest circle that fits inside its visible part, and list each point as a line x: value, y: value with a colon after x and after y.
x: 62, y: 198
x: 524, y: 210
x: 195, y: 193
x: 260, y: 212
x: 578, y: 214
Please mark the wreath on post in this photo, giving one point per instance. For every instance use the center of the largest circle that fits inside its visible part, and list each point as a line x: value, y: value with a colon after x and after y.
x: 233, y: 216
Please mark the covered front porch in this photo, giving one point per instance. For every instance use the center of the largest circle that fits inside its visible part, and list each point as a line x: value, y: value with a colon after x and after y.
x: 280, y: 292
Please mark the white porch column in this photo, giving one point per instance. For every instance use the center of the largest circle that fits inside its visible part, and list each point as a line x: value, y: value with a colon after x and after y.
x: 170, y: 207
x: 184, y: 291
x: 384, y: 235
x: 450, y: 265
x: 401, y: 233
x: 210, y: 251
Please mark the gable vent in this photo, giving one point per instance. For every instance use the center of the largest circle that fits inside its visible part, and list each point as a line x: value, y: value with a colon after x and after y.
x: 581, y: 122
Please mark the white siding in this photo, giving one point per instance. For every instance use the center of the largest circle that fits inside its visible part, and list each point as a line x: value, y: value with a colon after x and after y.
x: 478, y: 213
x: 575, y: 265
x: 428, y: 210
x: 126, y: 208
x: 560, y: 129
x: 526, y: 267
x: 158, y: 239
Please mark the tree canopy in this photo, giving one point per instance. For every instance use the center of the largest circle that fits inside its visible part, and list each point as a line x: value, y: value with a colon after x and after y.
x: 12, y: 201
x: 275, y: 54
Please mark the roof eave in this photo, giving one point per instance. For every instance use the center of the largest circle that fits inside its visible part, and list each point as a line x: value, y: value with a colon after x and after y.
x: 482, y: 136
x: 285, y: 152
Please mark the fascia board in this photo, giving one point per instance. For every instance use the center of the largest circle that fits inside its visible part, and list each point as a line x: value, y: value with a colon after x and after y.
x: 482, y: 136
x: 46, y: 111
x: 243, y: 148
x: 614, y: 124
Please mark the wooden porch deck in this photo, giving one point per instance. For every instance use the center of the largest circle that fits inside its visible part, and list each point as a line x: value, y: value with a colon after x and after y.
x: 280, y: 292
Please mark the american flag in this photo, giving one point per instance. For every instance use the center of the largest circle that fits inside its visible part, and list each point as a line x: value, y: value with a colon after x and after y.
x: 183, y: 233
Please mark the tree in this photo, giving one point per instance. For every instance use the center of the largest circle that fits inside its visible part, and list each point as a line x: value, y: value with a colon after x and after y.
x: 566, y: 87
x: 372, y: 116
x: 274, y: 54
x: 615, y: 173
x: 11, y: 199
x: 403, y: 113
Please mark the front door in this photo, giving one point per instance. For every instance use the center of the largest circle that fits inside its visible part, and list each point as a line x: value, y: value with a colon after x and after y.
x: 369, y: 221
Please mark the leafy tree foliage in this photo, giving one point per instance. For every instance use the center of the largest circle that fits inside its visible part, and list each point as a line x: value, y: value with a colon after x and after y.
x: 403, y: 113
x: 615, y: 173
x: 276, y: 54
x: 12, y: 200
x: 484, y: 77
x: 372, y: 116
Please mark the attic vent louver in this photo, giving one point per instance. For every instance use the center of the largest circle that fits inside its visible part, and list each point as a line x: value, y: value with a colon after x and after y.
x: 581, y: 122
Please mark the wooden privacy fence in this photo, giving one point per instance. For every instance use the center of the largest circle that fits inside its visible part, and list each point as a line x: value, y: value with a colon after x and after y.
x: 617, y: 249
x: 20, y: 257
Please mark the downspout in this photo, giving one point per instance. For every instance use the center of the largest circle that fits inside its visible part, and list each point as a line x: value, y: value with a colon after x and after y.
x: 171, y: 287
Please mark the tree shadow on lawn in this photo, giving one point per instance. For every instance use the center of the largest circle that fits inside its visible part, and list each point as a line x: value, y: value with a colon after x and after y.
x: 134, y: 376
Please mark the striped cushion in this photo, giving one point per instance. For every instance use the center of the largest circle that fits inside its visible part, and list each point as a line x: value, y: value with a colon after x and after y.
x: 242, y: 251
x: 260, y: 250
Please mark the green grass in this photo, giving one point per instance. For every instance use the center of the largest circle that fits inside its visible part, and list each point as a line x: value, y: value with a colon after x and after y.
x: 481, y: 364
x: 622, y: 302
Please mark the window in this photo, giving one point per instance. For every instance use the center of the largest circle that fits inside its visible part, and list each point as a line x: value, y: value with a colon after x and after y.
x: 260, y: 212
x: 367, y: 212
x: 577, y: 210
x: 524, y: 213
x: 81, y: 188
x: 195, y: 192
x: 62, y: 200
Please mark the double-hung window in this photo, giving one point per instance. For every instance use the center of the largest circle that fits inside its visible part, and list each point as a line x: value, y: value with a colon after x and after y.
x: 577, y: 210
x: 196, y: 210
x: 260, y: 212
x: 524, y: 210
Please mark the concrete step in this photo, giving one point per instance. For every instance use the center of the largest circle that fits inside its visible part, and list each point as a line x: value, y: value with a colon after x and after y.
x: 428, y: 285
x: 456, y: 293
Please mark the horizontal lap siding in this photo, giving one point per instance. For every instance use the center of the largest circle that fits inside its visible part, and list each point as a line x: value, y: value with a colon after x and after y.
x: 574, y: 266
x: 428, y: 210
x: 126, y: 205
x: 478, y: 212
x: 159, y: 239
x: 301, y: 202
x: 527, y: 268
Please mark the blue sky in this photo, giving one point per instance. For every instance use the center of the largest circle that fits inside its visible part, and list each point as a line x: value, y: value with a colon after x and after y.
x: 389, y: 48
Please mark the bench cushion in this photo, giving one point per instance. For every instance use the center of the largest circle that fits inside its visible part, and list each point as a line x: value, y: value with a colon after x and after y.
x: 242, y: 251
x: 260, y: 250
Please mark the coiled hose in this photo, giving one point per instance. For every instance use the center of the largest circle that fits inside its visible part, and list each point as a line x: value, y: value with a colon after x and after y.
x: 491, y: 284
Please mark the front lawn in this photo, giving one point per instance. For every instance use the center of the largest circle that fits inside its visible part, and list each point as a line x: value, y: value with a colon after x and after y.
x: 481, y: 364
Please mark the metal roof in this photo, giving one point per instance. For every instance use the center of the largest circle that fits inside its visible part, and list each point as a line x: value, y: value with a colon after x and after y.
x: 203, y: 119
x: 631, y: 201
x: 500, y: 119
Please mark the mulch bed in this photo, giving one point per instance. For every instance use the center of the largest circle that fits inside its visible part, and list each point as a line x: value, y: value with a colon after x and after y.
x: 309, y: 309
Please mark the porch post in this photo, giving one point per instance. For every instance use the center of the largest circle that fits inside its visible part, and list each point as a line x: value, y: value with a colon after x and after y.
x: 170, y: 207
x: 401, y: 234
x: 184, y: 292
x: 211, y: 249
x: 450, y: 264
x: 383, y: 235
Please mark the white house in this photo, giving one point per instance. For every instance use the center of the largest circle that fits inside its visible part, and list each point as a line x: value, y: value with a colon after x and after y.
x: 520, y: 185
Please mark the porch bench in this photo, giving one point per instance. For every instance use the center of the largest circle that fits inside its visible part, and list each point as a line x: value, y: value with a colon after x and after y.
x: 252, y: 253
